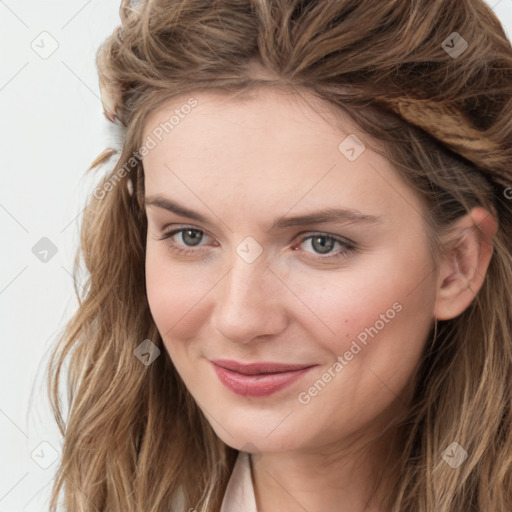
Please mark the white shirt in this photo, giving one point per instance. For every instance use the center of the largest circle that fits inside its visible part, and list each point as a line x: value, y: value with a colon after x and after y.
x: 239, y: 495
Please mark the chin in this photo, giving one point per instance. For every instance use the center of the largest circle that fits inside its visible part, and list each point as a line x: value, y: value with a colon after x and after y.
x: 253, y: 436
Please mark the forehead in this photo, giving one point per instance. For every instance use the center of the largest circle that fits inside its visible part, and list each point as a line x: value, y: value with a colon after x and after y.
x: 273, y: 143
x: 266, y: 112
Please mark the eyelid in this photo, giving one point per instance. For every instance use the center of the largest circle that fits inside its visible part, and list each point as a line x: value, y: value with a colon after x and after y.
x: 174, y: 228
x: 339, y: 238
x: 348, y: 246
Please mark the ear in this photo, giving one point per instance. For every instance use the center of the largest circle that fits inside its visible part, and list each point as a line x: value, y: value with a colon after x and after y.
x: 464, y: 265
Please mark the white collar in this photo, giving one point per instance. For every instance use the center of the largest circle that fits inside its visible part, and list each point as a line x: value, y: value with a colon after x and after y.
x: 239, y: 495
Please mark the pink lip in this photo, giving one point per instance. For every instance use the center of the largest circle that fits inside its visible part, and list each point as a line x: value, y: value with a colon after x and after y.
x: 257, y: 379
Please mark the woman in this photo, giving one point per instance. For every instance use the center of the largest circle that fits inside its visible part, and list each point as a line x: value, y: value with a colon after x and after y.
x: 300, y: 264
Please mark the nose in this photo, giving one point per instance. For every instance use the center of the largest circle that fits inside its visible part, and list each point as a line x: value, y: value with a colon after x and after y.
x: 249, y: 302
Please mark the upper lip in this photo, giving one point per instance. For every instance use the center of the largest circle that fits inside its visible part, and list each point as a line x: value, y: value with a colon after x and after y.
x: 258, y: 368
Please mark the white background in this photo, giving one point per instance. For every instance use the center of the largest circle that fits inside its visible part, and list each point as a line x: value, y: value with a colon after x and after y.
x: 51, y: 129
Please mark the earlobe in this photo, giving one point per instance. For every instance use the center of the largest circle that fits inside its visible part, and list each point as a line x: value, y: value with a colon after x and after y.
x: 464, y: 266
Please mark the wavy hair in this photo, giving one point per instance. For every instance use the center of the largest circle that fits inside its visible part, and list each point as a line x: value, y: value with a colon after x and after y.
x: 134, y: 440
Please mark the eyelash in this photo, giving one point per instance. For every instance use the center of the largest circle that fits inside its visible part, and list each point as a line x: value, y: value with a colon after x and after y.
x: 349, y: 247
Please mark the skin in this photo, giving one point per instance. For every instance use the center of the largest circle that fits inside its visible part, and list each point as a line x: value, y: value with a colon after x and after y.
x: 243, y: 164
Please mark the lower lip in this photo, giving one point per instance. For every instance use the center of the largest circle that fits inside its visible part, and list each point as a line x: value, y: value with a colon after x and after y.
x: 258, y: 385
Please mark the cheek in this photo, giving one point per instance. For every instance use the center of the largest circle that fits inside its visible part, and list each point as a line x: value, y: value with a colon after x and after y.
x: 377, y: 319
x: 380, y: 336
x: 173, y: 293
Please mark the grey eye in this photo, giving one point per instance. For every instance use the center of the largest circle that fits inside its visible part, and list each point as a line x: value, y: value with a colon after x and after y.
x: 191, y: 237
x: 322, y: 244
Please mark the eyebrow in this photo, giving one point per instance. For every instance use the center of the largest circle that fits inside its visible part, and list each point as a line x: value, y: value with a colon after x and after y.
x: 345, y: 215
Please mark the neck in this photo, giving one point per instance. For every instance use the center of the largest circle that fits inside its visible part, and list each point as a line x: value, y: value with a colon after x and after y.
x: 333, y: 478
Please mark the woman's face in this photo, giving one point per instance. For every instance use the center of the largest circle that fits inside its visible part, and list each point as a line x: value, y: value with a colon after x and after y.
x: 345, y: 298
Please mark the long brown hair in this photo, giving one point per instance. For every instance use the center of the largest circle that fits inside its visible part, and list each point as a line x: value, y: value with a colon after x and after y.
x: 432, y: 82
